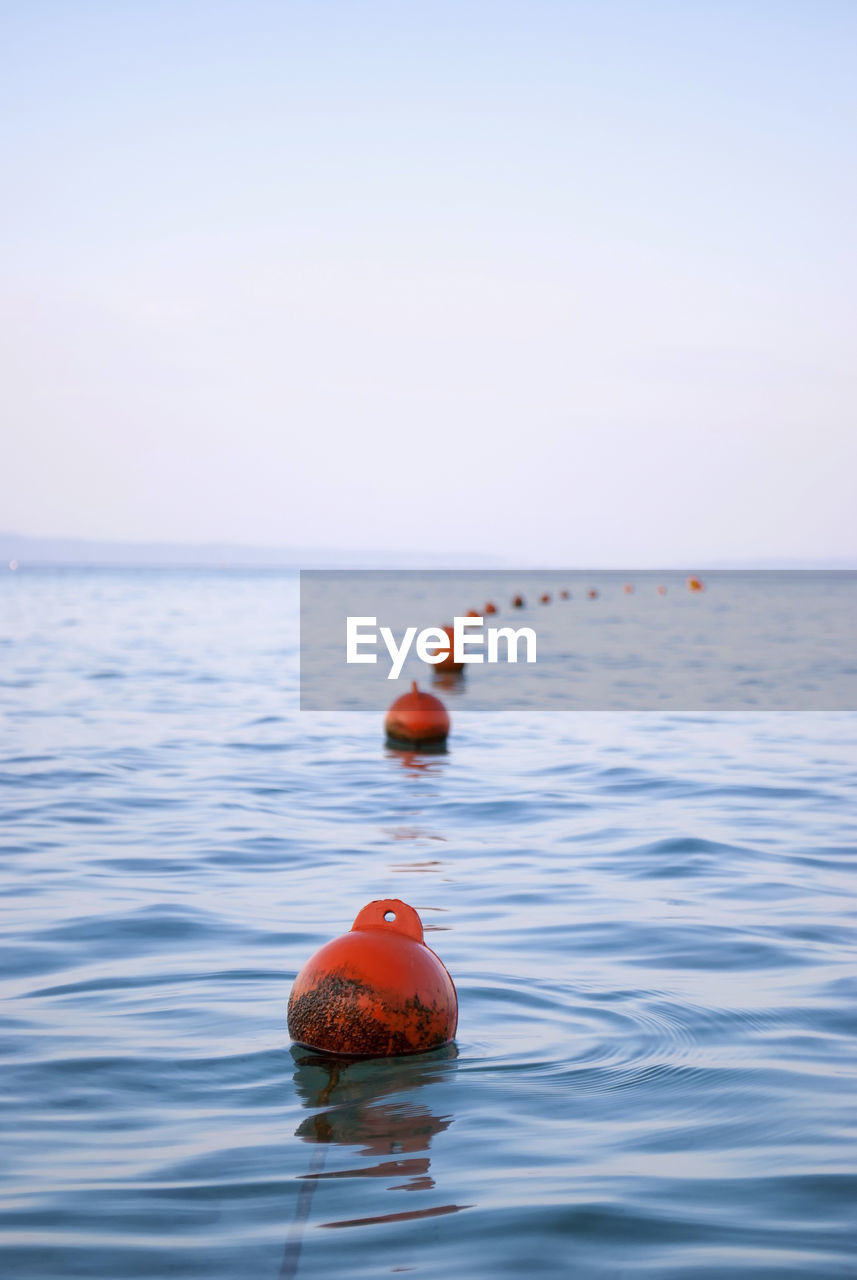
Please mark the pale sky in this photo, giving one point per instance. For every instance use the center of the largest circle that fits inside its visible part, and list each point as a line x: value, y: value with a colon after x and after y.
x: 567, y: 282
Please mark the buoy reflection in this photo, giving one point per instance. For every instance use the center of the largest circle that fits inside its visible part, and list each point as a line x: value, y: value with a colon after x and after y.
x: 369, y: 1106
x: 423, y: 761
x: 451, y: 681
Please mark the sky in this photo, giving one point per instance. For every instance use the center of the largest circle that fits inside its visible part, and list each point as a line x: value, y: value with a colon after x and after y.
x: 559, y: 281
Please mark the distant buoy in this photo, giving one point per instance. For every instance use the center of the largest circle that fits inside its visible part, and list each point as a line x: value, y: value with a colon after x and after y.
x: 662, y: 590
x: 376, y: 992
x: 490, y: 608
x: 592, y: 594
x: 417, y: 720
x: 565, y: 595
x: 517, y: 602
x: 471, y: 613
x: 695, y: 584
x: 628, y: 588
x: 545, y: 598
x: 448, y: 662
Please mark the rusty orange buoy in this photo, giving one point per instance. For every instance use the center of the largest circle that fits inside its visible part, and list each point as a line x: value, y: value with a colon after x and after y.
x: 490, y: 608
x: 565, y: 595
x: 592, y: 593
x: 376, y: 992
x: 662, y: 590
x: 695, y: 584
x: 545, y: 599
x: 417, y: 719
x: 471, y: 613
x: 517, y: 602
x: 628, y: 588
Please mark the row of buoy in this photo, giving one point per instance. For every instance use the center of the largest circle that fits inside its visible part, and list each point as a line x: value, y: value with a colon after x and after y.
x: 421, y: 720
x: 518, y: 601
x: 379, y: 990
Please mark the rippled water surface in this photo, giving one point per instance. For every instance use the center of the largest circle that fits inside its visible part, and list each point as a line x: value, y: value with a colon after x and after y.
x: 649, y: 919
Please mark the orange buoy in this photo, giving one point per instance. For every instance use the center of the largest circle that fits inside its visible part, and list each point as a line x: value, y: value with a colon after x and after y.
x: 695, y: 584
x: 517, y: 602
x: 662, y: 590
x: 592, y: 593
x: 471, y: 613
x: 628, y: 588
x: 565, y: 595
x: 545, y: 599
x: 448, y: 662
x: 490, y: 608
x: 376, y: 992
x: 417, y: 719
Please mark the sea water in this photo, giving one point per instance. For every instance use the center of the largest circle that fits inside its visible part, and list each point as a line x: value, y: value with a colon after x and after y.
x: 649, y: 917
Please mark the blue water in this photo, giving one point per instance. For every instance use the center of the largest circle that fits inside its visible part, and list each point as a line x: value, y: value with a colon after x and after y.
x: 649, y: 918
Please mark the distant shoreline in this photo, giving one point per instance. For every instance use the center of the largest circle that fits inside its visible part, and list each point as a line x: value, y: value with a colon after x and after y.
x: 25, y: 551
